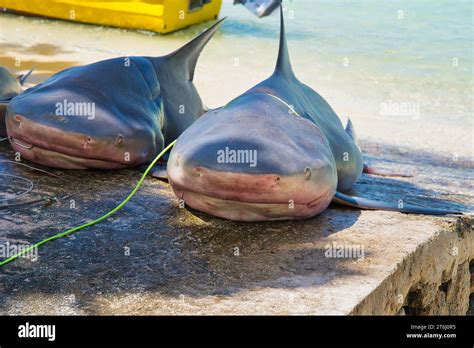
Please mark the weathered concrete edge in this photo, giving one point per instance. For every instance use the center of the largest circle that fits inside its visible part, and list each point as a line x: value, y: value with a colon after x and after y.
x: 434, y: 279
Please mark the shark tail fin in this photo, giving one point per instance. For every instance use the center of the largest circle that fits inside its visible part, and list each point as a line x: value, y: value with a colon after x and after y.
x: 187, y: 56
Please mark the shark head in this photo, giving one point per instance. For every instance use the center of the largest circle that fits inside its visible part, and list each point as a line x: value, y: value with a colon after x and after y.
x: 111, y: 114
x: 256, y: 158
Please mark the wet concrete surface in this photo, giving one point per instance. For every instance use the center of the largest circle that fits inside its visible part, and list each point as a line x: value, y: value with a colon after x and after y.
x: 154, y: 257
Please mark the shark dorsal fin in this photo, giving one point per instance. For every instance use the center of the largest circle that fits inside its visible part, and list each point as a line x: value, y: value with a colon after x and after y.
x: 187, y: 56
x: 283, y: 66
x: 24, y: 77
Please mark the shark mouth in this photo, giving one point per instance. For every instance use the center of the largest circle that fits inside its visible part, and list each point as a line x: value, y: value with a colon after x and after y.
x: 57, y: 159
x: 249, y: 197
x: 60, y: 149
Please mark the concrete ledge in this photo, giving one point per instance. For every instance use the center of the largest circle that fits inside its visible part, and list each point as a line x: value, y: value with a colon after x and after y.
x: 433, y: 279
x: 155, y: 258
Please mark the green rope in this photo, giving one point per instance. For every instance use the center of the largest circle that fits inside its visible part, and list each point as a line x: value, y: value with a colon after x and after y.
x: 96, y: 221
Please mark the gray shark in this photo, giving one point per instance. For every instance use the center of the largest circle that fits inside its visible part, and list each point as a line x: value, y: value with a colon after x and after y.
x: 115, y: 113
x: 10, y: 86
x: 278, y: 151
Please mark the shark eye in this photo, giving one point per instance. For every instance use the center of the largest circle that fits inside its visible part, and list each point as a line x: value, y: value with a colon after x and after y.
x: 87, y: 141
x: 119, y: 140
x: 17, y: 119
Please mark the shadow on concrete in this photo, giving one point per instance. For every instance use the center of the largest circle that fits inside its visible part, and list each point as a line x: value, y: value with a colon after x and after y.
x: 152, y: 246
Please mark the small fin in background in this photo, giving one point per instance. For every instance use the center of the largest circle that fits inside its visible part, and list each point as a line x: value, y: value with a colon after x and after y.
x: 380, y: 172
x: 350, y: 130
x: 283, y: 65
x: 22, y: 78
x: 160, y: 174
x: 260, y: 8
x: 159, y: 171
x: 364, y: 203
x: 187, y: 56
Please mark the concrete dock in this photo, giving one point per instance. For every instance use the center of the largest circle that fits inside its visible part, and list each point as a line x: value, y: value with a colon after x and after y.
x: 154, y: 257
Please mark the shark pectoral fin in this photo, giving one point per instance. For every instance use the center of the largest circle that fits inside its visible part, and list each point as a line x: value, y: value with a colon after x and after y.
x: 380, y: 172
x: 160, y: 174
x: 364, y: 203
x: 24, y: 77
x: 159, y: 171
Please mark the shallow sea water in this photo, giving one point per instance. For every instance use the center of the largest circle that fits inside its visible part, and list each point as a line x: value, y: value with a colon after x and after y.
x: 401, y: 70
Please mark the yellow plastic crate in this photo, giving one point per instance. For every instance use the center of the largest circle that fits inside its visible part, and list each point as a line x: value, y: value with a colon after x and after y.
x: 162, y: 16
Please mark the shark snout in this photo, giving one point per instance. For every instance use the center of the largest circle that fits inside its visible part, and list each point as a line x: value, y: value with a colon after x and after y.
x: 61, y: 147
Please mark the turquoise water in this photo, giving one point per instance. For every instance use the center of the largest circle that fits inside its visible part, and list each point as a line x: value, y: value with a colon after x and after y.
x: 360, y: 55
x: 418, y: 51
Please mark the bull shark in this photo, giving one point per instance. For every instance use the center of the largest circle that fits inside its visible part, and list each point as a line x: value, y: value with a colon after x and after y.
x: 278, y: 151
x: 111, y: 114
